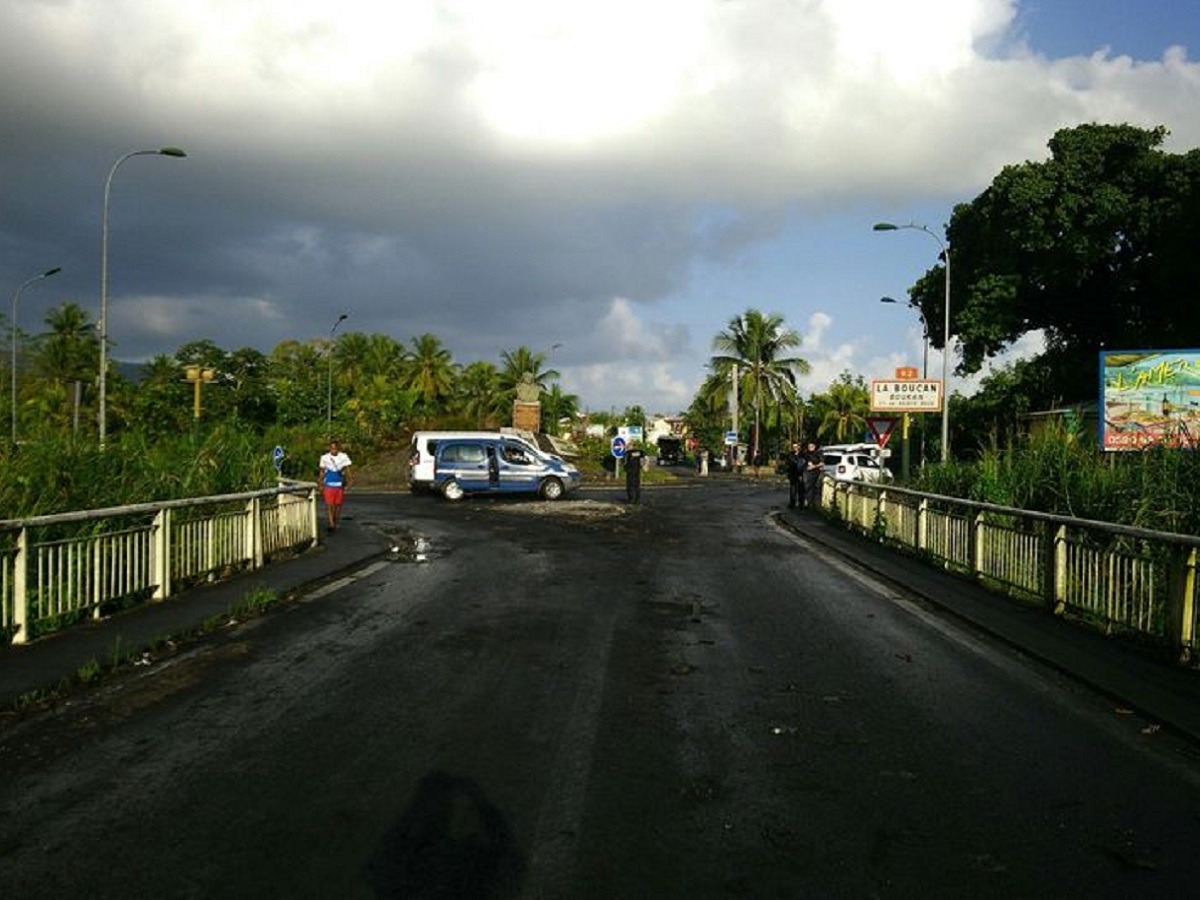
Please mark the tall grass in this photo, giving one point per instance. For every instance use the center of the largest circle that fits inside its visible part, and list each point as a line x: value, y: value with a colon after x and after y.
x: 58, y: 474
x: 1157, y: 488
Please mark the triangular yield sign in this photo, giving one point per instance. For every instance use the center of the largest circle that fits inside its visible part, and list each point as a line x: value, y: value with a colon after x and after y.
x: 881, y: 428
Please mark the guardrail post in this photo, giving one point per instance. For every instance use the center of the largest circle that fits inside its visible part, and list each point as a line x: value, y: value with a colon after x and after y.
x: 923, y: 524
x: 312, y: 514
x: 1048, y: 542
x: 254, y: 532
x: 160, y: 549
x: 976, y: 550
x: 21, y: 589
x: 1059, y: 551
x: 1181, y: 601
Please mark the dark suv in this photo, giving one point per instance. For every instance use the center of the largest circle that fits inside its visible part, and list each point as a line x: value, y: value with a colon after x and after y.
x: 670, y: 451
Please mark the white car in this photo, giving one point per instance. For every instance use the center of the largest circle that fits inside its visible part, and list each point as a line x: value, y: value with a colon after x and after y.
x: 853, y: 465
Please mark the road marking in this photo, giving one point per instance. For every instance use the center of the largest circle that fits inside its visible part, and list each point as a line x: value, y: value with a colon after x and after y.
x: 337, y: 585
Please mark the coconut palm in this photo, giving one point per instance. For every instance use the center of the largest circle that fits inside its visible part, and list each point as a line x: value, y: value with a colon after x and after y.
x: 514, y: 365
x: 477, y: 394
x: 63, y: 357
x: 557, y: 406
x: 755, y: 343
x: 844, y: 408
x: 428, y: 368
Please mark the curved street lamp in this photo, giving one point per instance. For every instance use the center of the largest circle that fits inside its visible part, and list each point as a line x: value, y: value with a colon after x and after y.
x: 945, y: 248
x: 103, y: 323
x: 12, y: 346
x: 329, y: 397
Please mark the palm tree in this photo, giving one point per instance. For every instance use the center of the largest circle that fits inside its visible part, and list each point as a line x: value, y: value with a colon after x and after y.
x: 557, y: 406
x: 846, y: 407
x: 428, y: 368
x: 478, y: 395
x: 67, y: 354
x: 754, y: 343
x: 514, y: 365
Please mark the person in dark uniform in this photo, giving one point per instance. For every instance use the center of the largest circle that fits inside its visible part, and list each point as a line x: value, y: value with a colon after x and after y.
x: 633, y: 473
x: 795, y: 476
x: 813, y: 469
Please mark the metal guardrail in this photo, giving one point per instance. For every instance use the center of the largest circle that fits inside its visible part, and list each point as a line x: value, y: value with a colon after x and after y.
x: 1120, y: 579
x: 61, y: 569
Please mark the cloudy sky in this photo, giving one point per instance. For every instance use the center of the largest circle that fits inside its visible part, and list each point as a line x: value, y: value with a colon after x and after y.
x: 618, y: 179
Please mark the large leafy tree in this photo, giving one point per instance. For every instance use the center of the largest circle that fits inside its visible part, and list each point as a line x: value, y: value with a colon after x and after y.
x: 162, y: 405
x: 297, y: 374
x: 1095, y: 245
x: 758, y: 344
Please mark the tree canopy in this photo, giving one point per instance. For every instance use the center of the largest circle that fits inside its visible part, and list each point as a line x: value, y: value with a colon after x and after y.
x: 1094, y: 245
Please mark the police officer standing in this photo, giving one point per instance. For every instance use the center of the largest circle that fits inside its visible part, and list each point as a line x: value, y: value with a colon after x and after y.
x: 633, y: 473
x: 795, y: 476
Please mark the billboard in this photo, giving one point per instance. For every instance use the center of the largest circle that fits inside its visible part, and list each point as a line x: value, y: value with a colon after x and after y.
x: 1149, y: 397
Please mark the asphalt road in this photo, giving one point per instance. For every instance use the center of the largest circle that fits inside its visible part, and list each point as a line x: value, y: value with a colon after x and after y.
x: 586, y: 699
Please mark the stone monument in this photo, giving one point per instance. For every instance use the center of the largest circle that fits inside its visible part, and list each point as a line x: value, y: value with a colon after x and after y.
x: 527, y: 408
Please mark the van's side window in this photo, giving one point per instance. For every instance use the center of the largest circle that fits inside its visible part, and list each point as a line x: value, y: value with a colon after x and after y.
x: 463, y: 453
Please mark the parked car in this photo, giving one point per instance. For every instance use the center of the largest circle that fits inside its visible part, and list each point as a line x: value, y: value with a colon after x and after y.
x: 854, y: 463
x: 498, y: 465
x: 423, y: 453
x: 670, y: 451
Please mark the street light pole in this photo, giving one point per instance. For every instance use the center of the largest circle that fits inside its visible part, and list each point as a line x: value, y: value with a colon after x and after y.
x: 329, y: 396
x: 945, y: 248
x: 103, y: 323
x: 12, y: 344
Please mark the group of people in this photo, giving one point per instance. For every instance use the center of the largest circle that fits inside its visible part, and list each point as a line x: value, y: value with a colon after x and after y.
x: 803, y: 473
x: 804, y: 476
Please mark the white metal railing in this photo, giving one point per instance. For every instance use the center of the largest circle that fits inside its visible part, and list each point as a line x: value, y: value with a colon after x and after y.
x: 1121, y: 579
x: 60, y: 569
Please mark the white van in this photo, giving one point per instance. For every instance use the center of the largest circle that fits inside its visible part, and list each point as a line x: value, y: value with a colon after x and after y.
x: 423, y: 453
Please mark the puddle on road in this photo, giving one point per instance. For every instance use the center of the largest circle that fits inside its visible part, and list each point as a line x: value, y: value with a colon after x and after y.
x: 407, y: 545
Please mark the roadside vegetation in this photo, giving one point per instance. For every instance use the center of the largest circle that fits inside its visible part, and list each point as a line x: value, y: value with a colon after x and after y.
x: 1157, y: 488
x: 1090, y: 247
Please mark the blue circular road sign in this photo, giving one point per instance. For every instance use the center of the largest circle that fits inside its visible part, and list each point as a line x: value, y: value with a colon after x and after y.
x: 618, y: 447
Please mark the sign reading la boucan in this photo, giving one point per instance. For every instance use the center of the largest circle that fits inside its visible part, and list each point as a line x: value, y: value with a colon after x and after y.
x: 906, y: 395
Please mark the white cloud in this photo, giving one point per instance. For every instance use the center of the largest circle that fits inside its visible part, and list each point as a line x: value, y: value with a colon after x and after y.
x: 496, y: 173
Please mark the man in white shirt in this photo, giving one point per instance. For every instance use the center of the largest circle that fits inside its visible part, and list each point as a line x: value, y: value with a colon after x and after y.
x: 335, y: 478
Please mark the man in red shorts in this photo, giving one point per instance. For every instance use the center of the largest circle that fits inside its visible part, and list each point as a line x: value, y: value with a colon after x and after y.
x: 335, y: 478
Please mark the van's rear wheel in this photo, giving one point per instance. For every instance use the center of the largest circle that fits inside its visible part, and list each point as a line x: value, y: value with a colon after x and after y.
x: 452, y: 490
x: 552, y: 489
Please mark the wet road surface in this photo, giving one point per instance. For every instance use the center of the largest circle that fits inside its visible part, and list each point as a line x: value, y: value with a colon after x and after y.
x: 585, y: 699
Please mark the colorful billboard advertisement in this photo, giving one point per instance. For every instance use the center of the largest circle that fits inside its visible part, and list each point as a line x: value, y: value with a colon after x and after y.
x: 1149, y: 397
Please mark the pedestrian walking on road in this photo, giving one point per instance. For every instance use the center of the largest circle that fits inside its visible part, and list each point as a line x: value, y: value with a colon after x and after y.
x: 633, y: 474
x: 795, y: 476
x: 812, y: 476
x: 335, y: 478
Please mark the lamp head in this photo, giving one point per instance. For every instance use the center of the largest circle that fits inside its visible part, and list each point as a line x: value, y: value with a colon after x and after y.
x: 172, y: 151
x: 888, y: 300
x: 884, y: 226
x: 53, y: 271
